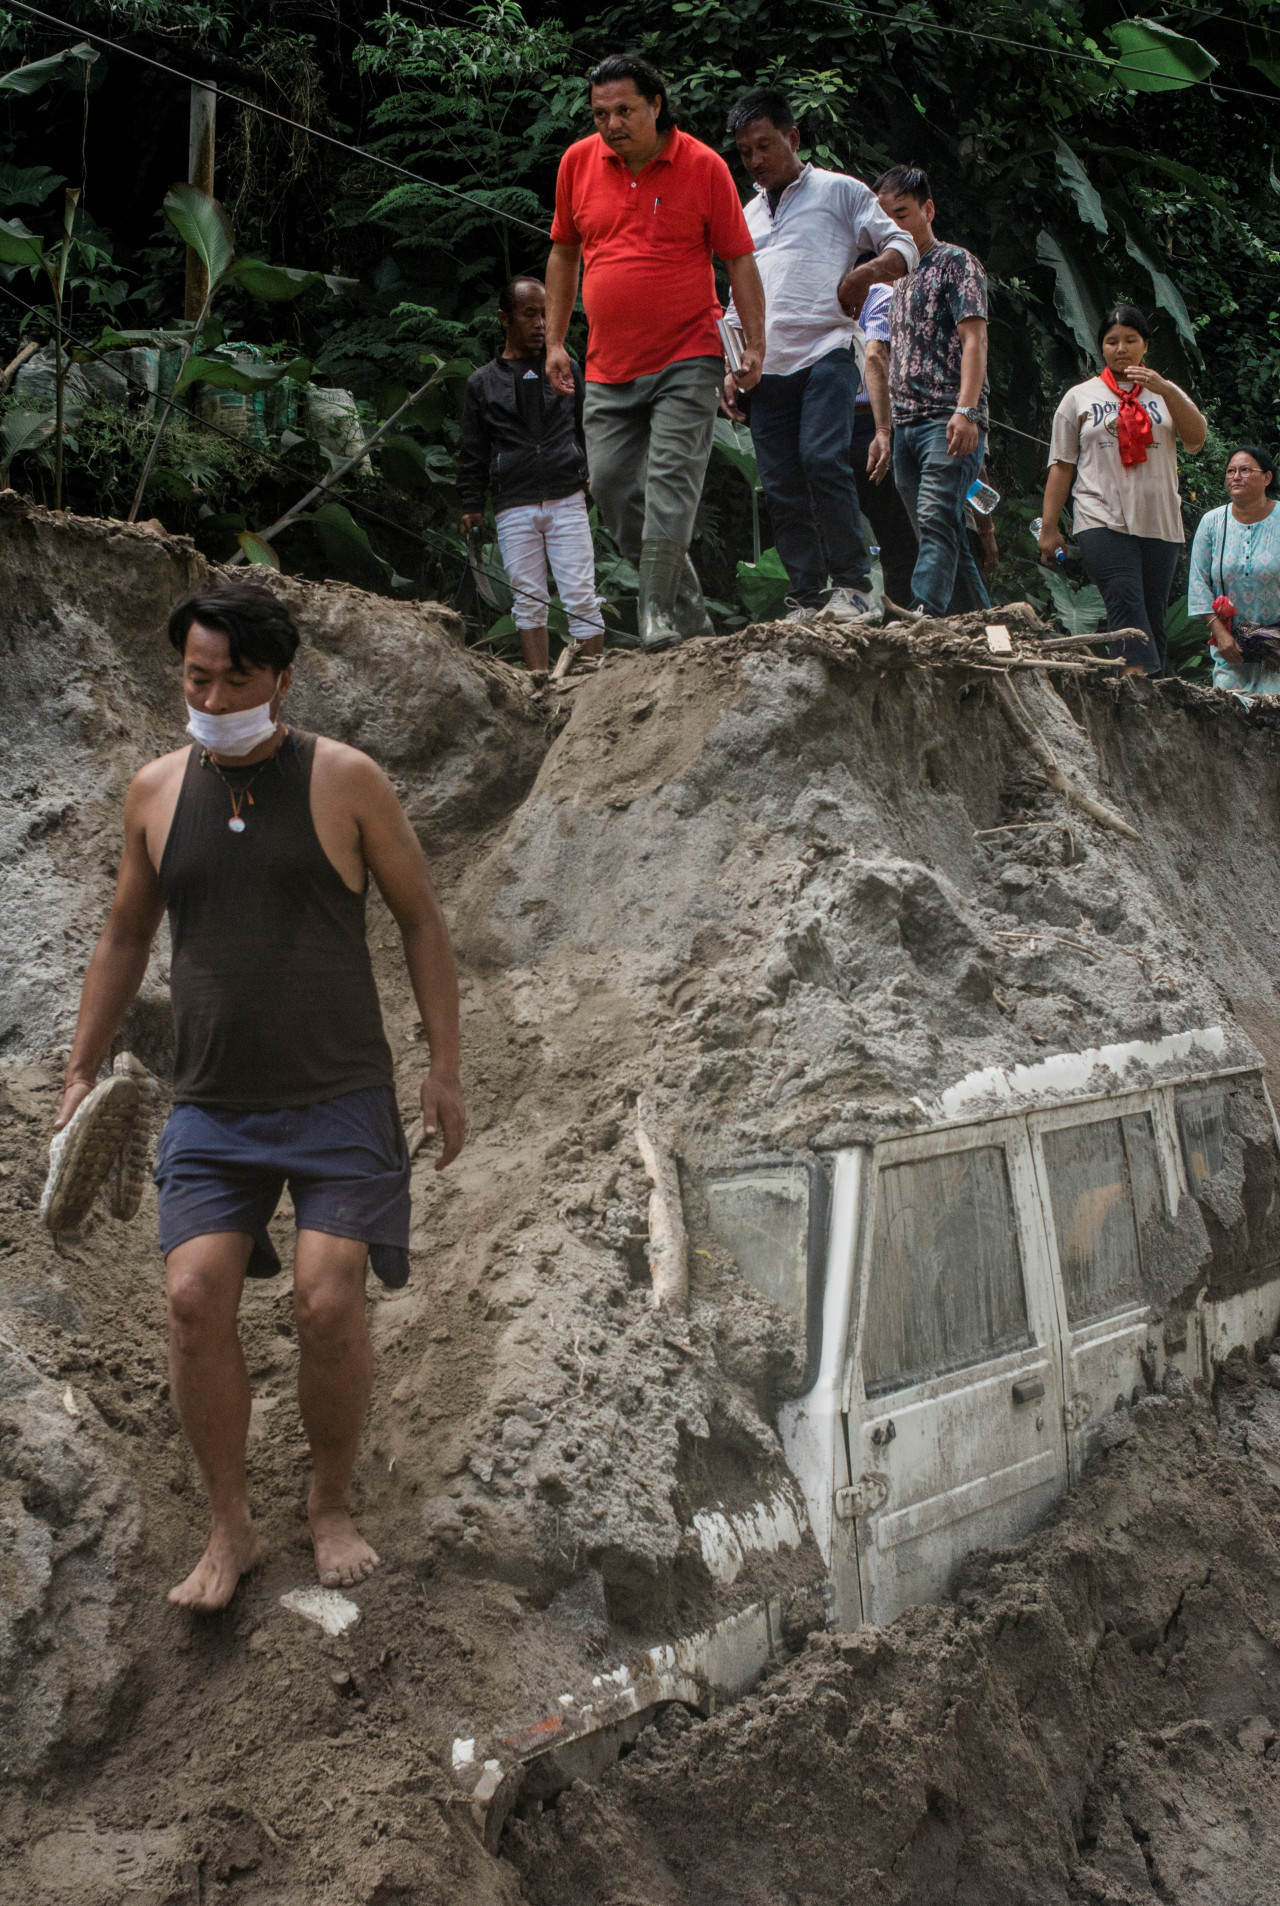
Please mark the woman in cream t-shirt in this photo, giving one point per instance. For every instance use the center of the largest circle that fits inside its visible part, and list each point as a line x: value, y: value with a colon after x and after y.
x: 1116, y: 437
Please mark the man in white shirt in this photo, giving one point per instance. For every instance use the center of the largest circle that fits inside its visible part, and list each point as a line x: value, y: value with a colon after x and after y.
x: 810, y: 228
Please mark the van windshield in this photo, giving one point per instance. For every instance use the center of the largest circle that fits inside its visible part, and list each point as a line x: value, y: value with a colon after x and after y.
x: 946, y: 1285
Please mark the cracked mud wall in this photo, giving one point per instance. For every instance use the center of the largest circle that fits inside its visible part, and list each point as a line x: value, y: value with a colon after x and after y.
x: 754, y: 881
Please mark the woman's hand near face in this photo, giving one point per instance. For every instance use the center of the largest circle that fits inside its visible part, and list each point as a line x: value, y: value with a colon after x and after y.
x: 1149, y: 380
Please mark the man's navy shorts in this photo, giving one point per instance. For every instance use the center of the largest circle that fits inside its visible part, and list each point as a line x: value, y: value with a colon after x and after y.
x: 345, y: 1162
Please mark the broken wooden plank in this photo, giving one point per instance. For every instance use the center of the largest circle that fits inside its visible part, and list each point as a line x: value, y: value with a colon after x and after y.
x: 668, y: 1244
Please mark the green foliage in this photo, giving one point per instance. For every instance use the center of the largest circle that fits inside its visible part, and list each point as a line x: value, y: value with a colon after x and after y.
x: 732, y: 444
x: 30, y: 78
x: 1154, y: 59
x: 1077, y: 152
x: 28, y: 185
x: 203, y: 226
x: 1188, y: 638
x: 258, y: 550
x: 1080, y: 611
x: 763, y: 586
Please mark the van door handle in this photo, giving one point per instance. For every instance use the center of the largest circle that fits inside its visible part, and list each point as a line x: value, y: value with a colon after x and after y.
x: 1028, y: 1392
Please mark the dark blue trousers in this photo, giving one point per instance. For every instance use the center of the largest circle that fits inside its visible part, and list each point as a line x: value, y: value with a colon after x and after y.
x: 802, y: 428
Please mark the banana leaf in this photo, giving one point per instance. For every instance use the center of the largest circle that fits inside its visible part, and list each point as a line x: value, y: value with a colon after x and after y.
x: 201, y: 222
x: 23, y: 430
x: 18, y: 246
x: 1080, y: 611
x: 1077, y: 306
x: 763, y: 586
x: 275, y: 284
x: 1078, y: 183
x: 1154, y: 59
x: 732, y: 444
x: 27, y: 185
x: 29, y: 79
x: 246, y: 376
x: 341, y: 538
x: 1168, y: 297
x: 258, y: 550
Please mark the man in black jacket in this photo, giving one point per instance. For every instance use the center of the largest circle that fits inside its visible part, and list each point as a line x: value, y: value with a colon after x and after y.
x: 522, y: 441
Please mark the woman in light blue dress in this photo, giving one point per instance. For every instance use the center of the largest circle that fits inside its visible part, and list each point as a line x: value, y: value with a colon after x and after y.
x: 1236, y: 553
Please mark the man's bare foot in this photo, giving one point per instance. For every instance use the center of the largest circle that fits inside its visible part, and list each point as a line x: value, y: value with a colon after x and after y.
x: 233, y: 1549
x: 343, y: 1557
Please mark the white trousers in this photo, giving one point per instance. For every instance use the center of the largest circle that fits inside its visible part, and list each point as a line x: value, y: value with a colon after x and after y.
x: 532, y: 534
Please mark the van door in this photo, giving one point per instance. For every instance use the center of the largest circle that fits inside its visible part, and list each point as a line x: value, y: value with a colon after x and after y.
x: 954, y: 1386
x: 1102, y: 1178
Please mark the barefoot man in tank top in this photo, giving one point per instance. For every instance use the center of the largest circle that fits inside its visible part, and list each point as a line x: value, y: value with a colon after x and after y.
x: 259, y: 840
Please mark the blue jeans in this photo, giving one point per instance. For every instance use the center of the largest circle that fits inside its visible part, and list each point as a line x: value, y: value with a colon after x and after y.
x: 933, y: 484
x: 802, y: 428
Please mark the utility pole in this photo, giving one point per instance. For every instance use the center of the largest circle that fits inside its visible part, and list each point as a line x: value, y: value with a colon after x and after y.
x: 204, y: 101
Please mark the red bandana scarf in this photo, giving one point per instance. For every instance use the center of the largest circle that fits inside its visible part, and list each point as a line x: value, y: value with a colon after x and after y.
x: 1133, y: 425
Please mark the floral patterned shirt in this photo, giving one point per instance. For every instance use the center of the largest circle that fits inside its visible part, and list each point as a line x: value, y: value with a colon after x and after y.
x: 947, y: 286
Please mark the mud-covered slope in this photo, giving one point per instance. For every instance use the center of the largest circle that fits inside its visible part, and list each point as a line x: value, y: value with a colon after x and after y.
x: 784, y: 856
x: 756, y: 882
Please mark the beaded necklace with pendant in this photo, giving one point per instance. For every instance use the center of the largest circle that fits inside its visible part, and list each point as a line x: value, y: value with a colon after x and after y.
x: 239, y: 796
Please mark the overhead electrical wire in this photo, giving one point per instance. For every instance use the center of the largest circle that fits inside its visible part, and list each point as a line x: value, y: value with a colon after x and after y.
x: 283, y: 119
x: 852, y: 12
x: 835, y: 6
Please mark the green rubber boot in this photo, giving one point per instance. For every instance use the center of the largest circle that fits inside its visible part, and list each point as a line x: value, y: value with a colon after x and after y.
x: 661, y: 574
x: 690, y: 613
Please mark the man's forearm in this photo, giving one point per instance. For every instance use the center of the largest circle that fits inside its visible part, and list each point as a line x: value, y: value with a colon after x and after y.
x: 973, y: 367
x: 876, y: 373
x: 562, y: 291
x: 748, y: 299
x: 434, y: 978
x: 888, y: 267
x: 111, y: 982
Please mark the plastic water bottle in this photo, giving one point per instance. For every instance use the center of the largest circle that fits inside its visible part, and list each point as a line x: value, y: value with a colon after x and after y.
x: 1037, y: 523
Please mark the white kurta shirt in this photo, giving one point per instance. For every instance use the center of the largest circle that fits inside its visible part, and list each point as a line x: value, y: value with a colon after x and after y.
x: 824, y: 222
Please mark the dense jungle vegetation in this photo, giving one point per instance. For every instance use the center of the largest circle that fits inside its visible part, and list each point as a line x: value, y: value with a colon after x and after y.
x: 1084, y: 156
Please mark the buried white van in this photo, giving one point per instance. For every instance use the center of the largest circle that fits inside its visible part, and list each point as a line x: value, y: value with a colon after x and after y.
x: 976, y: 1297
x: 993, y: 1286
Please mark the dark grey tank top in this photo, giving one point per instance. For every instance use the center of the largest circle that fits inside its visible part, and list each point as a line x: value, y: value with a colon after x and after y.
x: 274, y: 1000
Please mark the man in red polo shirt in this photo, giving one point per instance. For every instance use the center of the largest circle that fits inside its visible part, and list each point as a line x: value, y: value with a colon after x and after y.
x: 647, y: 206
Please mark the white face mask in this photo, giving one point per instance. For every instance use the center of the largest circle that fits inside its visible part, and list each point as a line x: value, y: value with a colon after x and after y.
x: 233, y: 735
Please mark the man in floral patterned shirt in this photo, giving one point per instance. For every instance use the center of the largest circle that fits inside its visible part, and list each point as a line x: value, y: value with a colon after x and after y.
x: 937, y: 391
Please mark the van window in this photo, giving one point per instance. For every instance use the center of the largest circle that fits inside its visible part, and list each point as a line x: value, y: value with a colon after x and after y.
x: 946, y: 1285
x: 761, y: 1217
x: 1200, y: 1129
x: 1104, y: 1182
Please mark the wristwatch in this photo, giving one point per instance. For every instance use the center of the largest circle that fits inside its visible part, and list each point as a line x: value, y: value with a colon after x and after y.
x: 970, y: 411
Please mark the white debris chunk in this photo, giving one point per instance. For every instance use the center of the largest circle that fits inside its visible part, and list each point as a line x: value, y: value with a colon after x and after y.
x: 326, y: 1607
x: 464, y: 1754
x: 69, y: 1403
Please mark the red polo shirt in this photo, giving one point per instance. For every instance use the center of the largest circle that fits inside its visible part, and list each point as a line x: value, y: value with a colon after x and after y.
x: 648, y: 287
